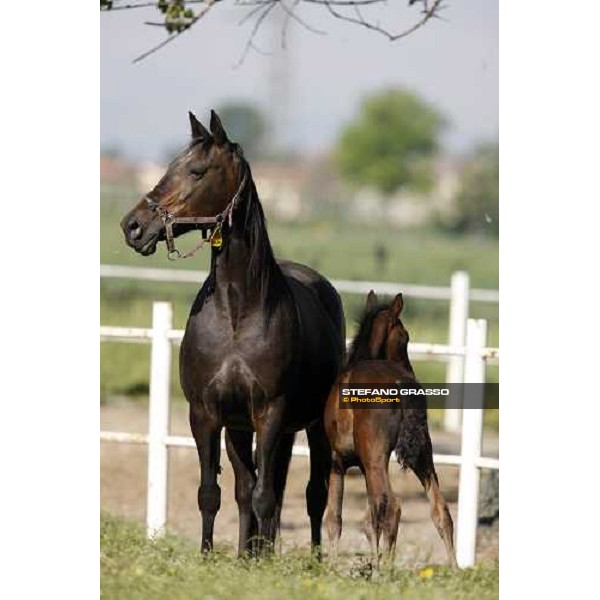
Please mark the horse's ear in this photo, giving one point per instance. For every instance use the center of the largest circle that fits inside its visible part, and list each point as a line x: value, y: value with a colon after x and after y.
x: 199, y: 132
x: 396, y: 307
x: 371, y: 300
x: 217, y: 129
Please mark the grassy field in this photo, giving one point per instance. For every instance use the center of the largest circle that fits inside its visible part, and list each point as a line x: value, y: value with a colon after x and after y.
x: 132, y: 568
x: 338, y: 251
x: 345, y: 251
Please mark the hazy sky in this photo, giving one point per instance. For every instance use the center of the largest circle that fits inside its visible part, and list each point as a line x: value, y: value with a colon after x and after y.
x: 452, y: 64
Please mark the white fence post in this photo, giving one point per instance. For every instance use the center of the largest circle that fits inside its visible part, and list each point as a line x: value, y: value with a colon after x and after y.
x: 158, y: 419
x: 472, y: 428
x: 459, y: 313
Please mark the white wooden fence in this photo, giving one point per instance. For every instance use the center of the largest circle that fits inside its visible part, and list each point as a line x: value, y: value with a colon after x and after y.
x: 459, y: 295
x: 161, y: 335
x: 429, y: 292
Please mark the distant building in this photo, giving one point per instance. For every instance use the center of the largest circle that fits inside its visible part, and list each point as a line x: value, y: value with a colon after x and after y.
x: 280, y: 187
x: 303, y: 189
x: 148, y: 175
x: 406, y: 208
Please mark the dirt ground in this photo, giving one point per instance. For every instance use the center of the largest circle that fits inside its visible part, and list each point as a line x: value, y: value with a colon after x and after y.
x: 123, y: 492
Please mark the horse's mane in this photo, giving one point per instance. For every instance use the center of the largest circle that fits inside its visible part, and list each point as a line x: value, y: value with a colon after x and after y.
x: 263, y: 268
x: 359, y: 349
x: 263, y: 271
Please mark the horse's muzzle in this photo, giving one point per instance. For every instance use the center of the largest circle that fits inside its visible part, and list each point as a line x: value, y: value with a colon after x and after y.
x: 140, y: 236
x: 132, y: 229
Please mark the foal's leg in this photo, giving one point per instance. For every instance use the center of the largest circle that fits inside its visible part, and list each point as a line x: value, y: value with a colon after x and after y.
x: 439, y: 509
x: 376, y: 508
x: 370, y: 531
x: 208, y: 442
x: 333, y: 514
x: 389, y: 530
x: 316, y: 490
x: 384, y: 510
x: 392, y: 523
x: 441, y: 515
x: 239, y: 450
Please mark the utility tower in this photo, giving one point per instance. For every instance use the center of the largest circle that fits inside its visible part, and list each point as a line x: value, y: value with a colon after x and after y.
x: 279, y: 77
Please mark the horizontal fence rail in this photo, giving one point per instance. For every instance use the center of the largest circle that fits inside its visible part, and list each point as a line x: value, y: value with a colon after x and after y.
x: 158, y: 439
x: 179, y: 441
x: 143, y: 335
x: 342, y: 285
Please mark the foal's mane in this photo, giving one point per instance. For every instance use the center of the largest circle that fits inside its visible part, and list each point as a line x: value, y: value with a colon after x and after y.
x: 359, y: 350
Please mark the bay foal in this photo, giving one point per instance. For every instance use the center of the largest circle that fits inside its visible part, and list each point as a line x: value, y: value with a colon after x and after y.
x: 366, y: 437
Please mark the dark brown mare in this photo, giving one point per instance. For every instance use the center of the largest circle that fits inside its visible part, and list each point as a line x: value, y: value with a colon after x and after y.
x: 366, y: 437
x: 263, y: 343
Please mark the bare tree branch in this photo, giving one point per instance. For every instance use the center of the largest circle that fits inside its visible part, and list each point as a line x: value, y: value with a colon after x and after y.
x: 428, y: 13
x: 174, y: 36
x: 182, y: 21
x: 291, y: 14
x: 143, y: 5
x: 249, y: 44
x: 321, y: 2
x: 258, y: 7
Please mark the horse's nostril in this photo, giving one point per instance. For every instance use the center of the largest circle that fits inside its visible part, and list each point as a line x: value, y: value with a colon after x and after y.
x: 134, y: 229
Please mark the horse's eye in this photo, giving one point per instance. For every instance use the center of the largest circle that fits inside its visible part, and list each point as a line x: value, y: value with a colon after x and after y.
x: 197, y: 172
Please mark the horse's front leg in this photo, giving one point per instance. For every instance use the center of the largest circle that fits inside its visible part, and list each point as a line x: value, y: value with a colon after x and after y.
x: 282, y: 463
x: 239, y: 450
x: 207, y: 435
x: 268, y: 426
x: 316, y: 490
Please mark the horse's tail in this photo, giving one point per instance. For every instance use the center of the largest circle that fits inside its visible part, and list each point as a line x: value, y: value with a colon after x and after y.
x: 413, y: 446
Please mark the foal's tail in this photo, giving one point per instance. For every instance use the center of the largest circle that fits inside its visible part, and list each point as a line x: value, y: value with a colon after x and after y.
x: 413, y: 446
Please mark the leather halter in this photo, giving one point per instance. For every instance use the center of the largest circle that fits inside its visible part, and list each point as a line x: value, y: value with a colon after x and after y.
x: 169, y: 219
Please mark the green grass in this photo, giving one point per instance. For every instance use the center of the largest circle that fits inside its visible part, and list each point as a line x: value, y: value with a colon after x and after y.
x: 133, y: 568
x: 338, y: 251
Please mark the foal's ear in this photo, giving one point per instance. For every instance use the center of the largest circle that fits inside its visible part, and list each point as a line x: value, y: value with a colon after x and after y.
x: 217, y: 129
x: 396, y: 307
x: 371, y: 300
x: 199, y: 132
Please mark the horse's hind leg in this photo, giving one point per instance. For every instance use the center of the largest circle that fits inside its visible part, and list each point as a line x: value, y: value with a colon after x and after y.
x: 239, y: 450
x: 208, y: 442
x: 333, y: 514
x: 316, y: 490
x: 439, y: 510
